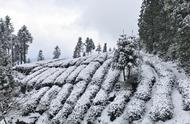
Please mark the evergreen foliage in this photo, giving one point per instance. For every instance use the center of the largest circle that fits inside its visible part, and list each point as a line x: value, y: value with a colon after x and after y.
x: 78, y: 48
x: 89, y: 45
x: 125, y: 56
x: 40, y: 56
x: 99, y: 49
x: 105, y: 47
x: 164, y: 28
x: 56, y: 53
x: 24, y: 37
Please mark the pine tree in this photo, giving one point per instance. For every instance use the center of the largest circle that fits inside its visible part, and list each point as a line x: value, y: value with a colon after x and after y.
x: 182, y: 14
x: 92, y: 46
x: 125, y: 55
x: 40, y: 56
x: 89, y: 45
x: 105, y: 47
x: 150, y: 24
x: 78, y: 48
x: 57, y: 52
x: 24, y: 37
x: 15, y: 50
x: 98, y: 49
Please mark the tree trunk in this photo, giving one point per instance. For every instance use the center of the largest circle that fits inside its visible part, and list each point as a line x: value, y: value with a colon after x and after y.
x: 4, y: 120
x: 21, y: 57
x: 129, y: 72
x: 24, y: 52
x: 124, y: 75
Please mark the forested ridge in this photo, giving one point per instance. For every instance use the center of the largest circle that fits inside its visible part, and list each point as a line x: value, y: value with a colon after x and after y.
x: 164, y: 29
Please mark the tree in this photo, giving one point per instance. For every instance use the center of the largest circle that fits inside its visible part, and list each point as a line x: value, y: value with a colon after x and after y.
x: 6, y: 80
x: 105, y: 47
x: 28, y: 60
x: 164, y: 29
x: 84, y: 54
x: 92, y: 46
x: 89, y: 45
x: 98, y: 49
x: 24, y: 37
x: 40, y: 56
x: 56, y: 53
x: 125, y: 55
x: 78, y: 48
x: 150, y: 24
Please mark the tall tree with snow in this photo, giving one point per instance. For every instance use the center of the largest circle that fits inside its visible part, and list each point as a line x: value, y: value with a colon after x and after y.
x: 105, y: 47
x: 89, y: 45
x: 24, y: 37
x: 125, y: 55
x: 98, y: 48
x: 78, y: 48
x: 40, y: 56
x: 149, y: 23
x: 56, y: 52
x: 6, y: 79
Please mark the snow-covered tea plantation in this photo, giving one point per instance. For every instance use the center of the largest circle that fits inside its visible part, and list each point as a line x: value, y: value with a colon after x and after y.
x: 87, y: 90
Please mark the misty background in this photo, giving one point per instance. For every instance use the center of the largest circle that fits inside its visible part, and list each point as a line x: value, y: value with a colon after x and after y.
x: 61, y: 22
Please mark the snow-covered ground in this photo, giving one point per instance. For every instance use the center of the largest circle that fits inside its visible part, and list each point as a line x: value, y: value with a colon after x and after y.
x: 87, y: 90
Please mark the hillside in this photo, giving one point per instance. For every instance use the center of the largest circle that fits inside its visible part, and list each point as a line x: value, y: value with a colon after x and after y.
x: 87, y: 90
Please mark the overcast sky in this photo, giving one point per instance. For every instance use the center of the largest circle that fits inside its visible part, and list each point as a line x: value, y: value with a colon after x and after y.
x: 61, y: 22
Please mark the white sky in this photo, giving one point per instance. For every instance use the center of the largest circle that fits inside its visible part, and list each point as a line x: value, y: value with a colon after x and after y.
x: 61, y: 22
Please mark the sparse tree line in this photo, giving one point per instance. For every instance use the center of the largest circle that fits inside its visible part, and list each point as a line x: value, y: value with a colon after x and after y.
x: 86, y: 48
x: 164, y: 29
x: 56, y: 54
x: 15, y: 46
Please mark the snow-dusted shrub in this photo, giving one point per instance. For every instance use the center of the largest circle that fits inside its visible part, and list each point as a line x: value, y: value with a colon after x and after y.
x: 71, y: 78
x: 147, y: 80
x: 49, y: 81
x: 43, y: 119
x: 45, y: 76
x: 83, y: 105
x: 47, y: 98
x: 162, y: 106
x: 33, y: 75
x: 184, y: 89
x: 87, y: 73
x: 33, y: 101
x: 60, y: 99
x: 135, y: 109
x: 89, y: 59
x: 40, y: 77
x: 111, y: 79
x: 110, y: 55
x: 66, y: 63
x: 55, y: 63
x: 101, y: 58
x: 93, y: 113
x: 80, y: 60
x: 62, y: 115
x: 70, y: 102
x: 77, y: 115
x: 101, y: 98
x: 90, y: 92
x: 116, y: 108
x: 25, y: 68
x: 77, y: 91
x: 36, y: 69
x: 61, y: 79
x: 100, y: 73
